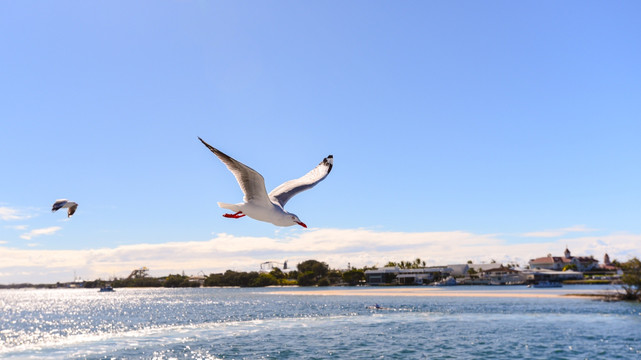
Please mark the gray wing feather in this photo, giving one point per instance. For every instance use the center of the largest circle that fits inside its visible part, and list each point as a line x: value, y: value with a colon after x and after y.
x: 72, y: 209
x: 58, y: 205
x: 287, y: 190
x: 251, y: 182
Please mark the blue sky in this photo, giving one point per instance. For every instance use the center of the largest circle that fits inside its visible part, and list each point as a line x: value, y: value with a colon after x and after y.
x: 507, y: 124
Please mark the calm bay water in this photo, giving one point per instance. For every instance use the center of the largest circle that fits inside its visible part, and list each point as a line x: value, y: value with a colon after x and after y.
x: 212, y: 323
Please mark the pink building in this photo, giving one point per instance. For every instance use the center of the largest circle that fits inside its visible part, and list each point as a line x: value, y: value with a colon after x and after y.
x: 582, y: 263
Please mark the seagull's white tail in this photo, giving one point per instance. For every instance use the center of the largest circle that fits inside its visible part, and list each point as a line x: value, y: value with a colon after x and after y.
x: 232, y: 207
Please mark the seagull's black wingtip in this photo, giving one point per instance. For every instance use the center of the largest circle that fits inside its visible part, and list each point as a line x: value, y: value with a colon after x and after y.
x: 205, y: 143
x: 329, y: 162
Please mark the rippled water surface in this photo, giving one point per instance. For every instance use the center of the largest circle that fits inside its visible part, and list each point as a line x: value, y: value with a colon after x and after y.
x: 212, y: 323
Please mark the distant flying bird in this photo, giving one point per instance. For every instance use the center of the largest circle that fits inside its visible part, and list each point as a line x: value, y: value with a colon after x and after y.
x: 64, y: 203
x: 268, y: 207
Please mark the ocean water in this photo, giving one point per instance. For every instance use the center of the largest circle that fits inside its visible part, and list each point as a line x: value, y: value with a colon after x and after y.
x: 286, y: 323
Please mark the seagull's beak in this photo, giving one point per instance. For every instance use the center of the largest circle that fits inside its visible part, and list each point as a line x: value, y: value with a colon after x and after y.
x: 301, y: 224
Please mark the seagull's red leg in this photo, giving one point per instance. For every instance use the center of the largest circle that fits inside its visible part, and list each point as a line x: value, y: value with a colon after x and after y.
x: 234, y: 216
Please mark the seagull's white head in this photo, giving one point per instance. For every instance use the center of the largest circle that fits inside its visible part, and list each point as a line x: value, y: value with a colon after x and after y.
x: 296, y: 220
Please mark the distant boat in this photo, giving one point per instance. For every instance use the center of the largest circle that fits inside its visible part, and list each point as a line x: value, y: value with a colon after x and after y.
x: 106, y: 288
x: 547, y: 284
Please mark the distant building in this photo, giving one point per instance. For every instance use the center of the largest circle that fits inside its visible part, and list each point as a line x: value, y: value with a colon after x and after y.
x: 459, y: 270
x: 607, y: 265
x: 198, y: 278
x: 551, y: 275
x: 502, y: 276
x: 397, y: 276
x: 582, y: 263
x: 463, y: 270
x: 479, y: 268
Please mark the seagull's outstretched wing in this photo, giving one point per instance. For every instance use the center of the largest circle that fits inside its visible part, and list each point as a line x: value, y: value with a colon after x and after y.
x: 251, y: 182
x: 72, y: 209
x: 287, y: 190
x: 58, y: 205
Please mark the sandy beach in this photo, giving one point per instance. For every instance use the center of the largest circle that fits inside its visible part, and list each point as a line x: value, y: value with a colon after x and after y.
x: 449, y: 292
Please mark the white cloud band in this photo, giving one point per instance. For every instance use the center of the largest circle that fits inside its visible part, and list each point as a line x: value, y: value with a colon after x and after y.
x: 337, y: 247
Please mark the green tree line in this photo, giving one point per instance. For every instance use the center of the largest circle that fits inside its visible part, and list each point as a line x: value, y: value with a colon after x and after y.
x: 307, y: 273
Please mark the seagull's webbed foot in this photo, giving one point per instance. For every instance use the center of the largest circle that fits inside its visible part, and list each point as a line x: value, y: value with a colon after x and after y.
x: 234, y: 216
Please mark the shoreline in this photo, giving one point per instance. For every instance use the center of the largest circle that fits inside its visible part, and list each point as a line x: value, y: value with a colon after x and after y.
x: 441, y: 292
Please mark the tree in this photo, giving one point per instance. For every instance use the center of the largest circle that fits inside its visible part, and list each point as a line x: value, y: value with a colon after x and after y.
x: 569, y: 267
x: 334, y: 277
x: 631, y: 279
x: 416, y: 264
x: 306, y: 278
x: 293, y: 275
x: 353, y: 277
x: 472, y: 272
x: 264, y: 280
x: 278, y: 273
x: 616, y: 263
x: 137, y: 282
x: 320, y: 269
x: 214, y: 280
x: 232, y: 278
x: 175, y: 281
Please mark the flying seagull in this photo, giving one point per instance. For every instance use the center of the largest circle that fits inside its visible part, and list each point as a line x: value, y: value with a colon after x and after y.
x: 268, y: 207
x: 64, y: 203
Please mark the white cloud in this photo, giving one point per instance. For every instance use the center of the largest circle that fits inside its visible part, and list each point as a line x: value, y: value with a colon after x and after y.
x: 16, y: 227
x: 558, y: 232
x: 37, y: 232
x: 10, y: 214
x: 337, y: 247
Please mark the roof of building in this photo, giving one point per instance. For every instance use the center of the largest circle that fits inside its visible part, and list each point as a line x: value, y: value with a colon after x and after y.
x: 608, y: 267
x: 586, y: 259
x: 397, y: 270
x: 458, y: 268
x: 551, y: 260
x: 552, y: 272
x: 501, y: 269
x: 483, y: 267
x: 567, y: 258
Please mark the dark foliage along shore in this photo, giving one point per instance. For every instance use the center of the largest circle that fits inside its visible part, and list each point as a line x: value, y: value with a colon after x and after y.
x: 307, y: 273
x: 631, y: 280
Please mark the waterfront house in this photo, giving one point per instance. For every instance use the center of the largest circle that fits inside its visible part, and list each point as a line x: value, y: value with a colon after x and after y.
x: 582, y: 263
x: 459, y: 270
x: 397, y: 276
x: 503, y: 276
x: 486, y: 274
x: 475, y: 270
x: 537, y: 275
